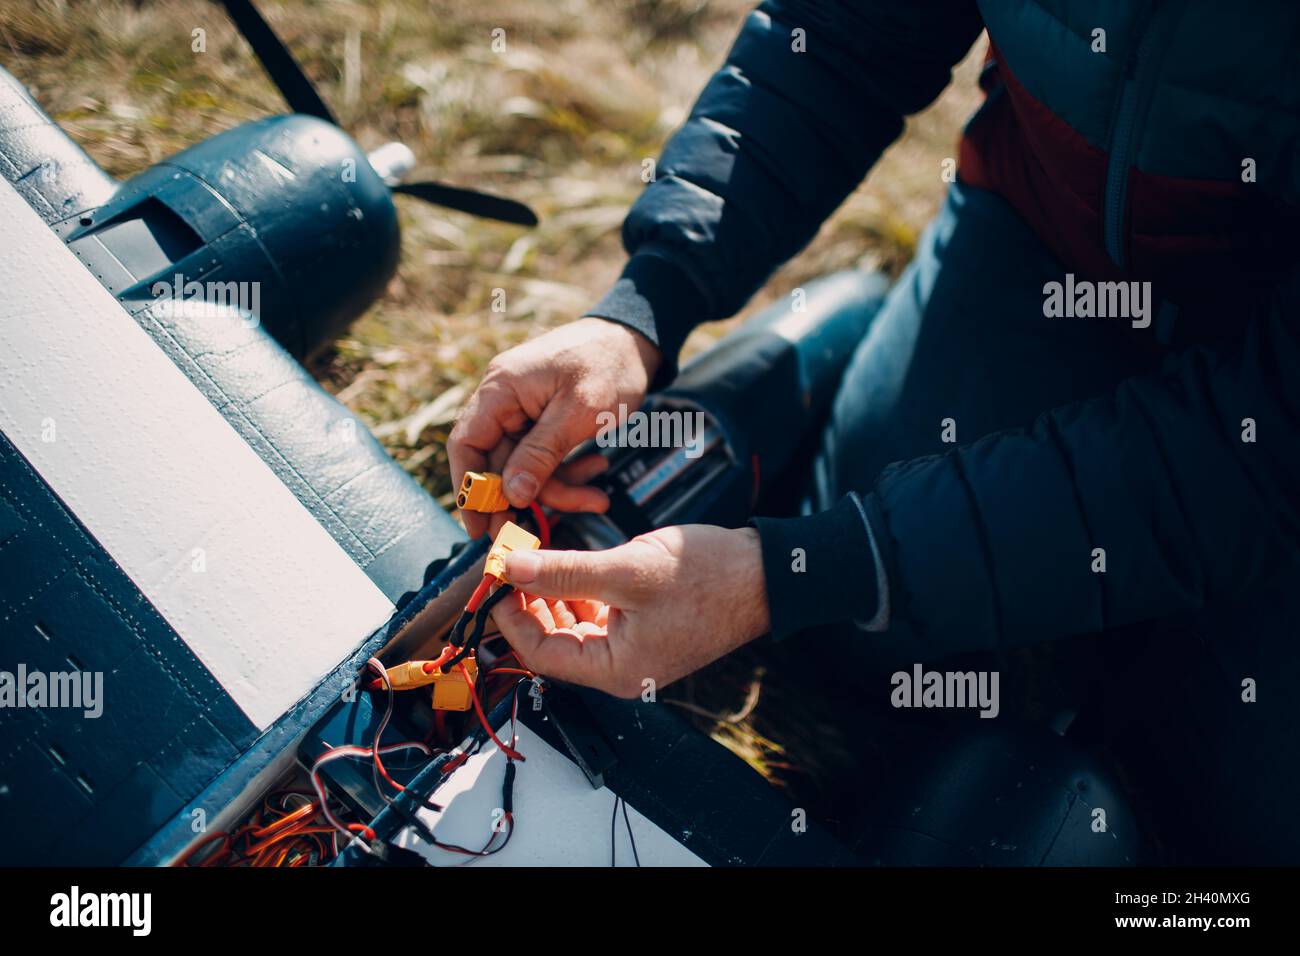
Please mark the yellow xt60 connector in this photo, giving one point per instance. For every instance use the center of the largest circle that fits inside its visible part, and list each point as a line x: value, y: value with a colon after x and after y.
x: 481, y: 491
x: 510, y: 538
x: 450, y: 691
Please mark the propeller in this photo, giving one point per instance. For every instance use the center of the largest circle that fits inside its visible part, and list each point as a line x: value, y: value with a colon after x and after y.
x: 393, y: 160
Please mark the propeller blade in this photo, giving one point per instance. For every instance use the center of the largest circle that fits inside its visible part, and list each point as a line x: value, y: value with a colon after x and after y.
x: 278, y: 62
x: 302, y: 97
x: 471, y: 201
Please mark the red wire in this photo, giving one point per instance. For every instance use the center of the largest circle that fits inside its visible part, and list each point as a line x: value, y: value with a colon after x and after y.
x: 480, y: 593
x: 486, y: 851
x: 429, y: 667
x: 455, y: 762
x: 543, y: 526
x: 447, y: 654
x: 510, y: 752
x: 383, y: 772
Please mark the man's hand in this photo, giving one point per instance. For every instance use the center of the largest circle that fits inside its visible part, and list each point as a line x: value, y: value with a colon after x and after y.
x: 657, y: 608
x: 538, y: 402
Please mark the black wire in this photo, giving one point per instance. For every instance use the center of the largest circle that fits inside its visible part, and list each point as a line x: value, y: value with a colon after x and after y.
x: 492, y: 601
x: 613, y: 833
x: 628, y: 823
x: 466, y: 851
x: 507, y: 802
x: 488, y: 849
x: 471, y: 641
x: 463, y: 653
x: 509, y: 833
x: 457, y: 636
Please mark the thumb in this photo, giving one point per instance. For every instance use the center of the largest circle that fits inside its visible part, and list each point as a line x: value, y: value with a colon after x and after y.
x: 569, y: 575
x: 560, y: 429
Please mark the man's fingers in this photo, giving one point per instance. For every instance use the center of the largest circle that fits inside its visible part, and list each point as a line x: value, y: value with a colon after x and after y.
x: 479, y: 441
x: 572, y: 498
x: 562, y: 615
x: 568, y: 655
x: 562, y: 426
x: 585, y: 610
x: 475, y: 523
x: 568, y: 489
x: 480, y: 426
x: 498, y: 521
x: 539, y: 609
x: 568, y: 575
x: 583, y: 468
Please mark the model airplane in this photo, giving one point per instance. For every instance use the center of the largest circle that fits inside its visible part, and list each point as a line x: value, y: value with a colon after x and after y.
x: 205, y: 549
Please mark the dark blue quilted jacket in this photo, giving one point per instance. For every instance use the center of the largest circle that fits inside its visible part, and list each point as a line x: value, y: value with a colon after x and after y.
x: 1139, y: 152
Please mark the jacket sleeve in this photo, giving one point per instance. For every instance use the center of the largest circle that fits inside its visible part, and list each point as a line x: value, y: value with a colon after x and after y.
x: 1189, y: 482
x: 810, y: 95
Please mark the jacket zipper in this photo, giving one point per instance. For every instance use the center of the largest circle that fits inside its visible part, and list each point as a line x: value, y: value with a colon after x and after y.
x: 1124, y: 137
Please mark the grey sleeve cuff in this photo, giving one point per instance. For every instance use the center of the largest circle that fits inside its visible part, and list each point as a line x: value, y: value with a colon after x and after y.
x: 880, y: 620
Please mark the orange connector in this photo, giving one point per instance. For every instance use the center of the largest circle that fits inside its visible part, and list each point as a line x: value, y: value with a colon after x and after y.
x: 511, y: 537
x: 412, y: 674
x: 481, y: 491
x: 450, y: 691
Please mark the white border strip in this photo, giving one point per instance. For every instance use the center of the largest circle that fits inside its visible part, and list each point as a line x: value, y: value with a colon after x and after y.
x: 162, y: 480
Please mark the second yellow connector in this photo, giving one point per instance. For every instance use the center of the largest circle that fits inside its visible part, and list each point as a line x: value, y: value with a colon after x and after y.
x: 510, y: 538
x: 450, y: 691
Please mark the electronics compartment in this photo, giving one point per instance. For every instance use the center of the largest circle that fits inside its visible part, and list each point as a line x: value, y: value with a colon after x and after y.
x: 420, y: 626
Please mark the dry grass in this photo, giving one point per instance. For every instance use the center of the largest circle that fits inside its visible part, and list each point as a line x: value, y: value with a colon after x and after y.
x: 584, y: 92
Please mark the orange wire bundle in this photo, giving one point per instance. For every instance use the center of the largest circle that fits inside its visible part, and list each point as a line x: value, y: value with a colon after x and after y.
x: 273, y: 837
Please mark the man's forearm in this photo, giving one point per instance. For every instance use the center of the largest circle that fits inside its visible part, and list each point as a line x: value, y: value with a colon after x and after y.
x: 770, y: 150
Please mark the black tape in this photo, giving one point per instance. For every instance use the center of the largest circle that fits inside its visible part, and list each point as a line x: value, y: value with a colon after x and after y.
x: 508, y: 788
